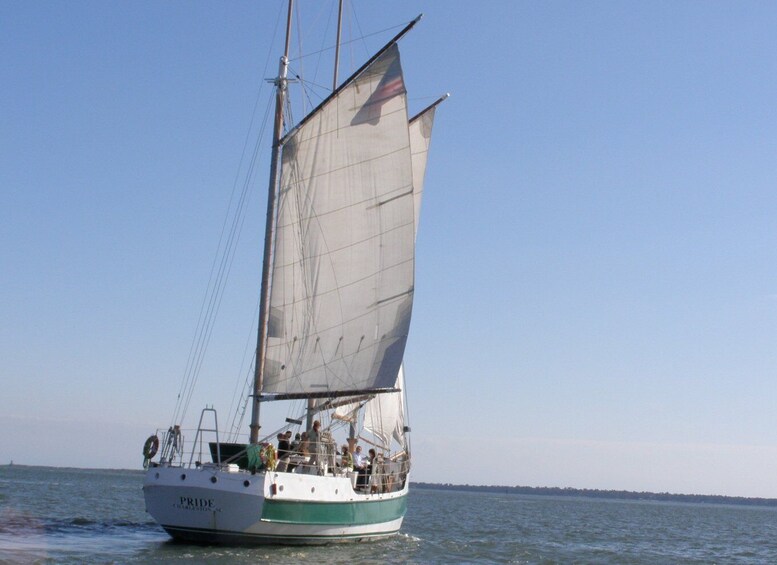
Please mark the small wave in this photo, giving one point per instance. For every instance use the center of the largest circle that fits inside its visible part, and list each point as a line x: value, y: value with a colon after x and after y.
x: 78, y: 526
x: 82, y: 521
x: 18, y: 522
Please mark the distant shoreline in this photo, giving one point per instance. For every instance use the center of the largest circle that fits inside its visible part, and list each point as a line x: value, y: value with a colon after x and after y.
x: 603, y: 494
x: 536, y: 491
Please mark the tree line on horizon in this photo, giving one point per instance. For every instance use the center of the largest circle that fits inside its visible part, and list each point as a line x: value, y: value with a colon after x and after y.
x: 602, y: 494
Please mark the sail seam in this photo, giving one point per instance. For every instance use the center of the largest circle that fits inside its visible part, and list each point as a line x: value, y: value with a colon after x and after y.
x: 303, y: 180
x: 328, y: 252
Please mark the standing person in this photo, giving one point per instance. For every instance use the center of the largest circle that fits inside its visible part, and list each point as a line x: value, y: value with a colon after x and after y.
x: 316, y: 448
x: 360, y: 465
x: 295, y: 445
x: 372, y: 470
x: 304, y: 446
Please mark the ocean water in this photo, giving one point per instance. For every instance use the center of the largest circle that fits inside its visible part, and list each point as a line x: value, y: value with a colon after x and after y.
x: 50, y: 515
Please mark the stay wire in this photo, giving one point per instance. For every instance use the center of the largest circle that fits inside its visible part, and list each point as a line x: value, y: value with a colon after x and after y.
x: 189, y: 378
x: 229, y: 254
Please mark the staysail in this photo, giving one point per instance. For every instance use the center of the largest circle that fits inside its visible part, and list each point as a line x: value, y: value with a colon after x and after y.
x: 342, y: 277
x: 420, y: 139
x: 384, y: 415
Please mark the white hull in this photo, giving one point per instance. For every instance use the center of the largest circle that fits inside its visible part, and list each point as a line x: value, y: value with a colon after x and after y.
x: 267, y: 508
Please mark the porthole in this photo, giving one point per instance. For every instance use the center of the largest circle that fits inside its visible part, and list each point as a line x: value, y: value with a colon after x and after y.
x: 183, y: 477
x: 246, y: 483
x: 213, y: 479
x: 312, y: 489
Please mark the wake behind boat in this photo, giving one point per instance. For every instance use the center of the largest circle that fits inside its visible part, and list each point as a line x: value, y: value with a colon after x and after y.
x: 336, y: 301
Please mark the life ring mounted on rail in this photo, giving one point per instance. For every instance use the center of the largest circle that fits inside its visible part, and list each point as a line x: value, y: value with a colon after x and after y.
x: 150, y: 447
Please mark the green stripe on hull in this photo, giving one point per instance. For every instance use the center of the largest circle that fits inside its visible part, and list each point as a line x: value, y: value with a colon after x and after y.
x: 334, y: 513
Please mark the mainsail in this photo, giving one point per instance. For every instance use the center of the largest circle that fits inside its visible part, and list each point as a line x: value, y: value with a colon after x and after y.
x: 343, y: 263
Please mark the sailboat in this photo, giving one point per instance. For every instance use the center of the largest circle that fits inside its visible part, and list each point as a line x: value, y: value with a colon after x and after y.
x: 335, y: 307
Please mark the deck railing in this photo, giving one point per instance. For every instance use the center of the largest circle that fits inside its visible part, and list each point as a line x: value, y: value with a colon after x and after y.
x: 384, y: 472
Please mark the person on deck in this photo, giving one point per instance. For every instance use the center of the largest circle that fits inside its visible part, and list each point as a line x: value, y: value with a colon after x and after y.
x: 360, y: 465
x: 346, y: 460
x: 296, y: 443
x: 294, y: 451
x: 317, y: 455
x: 283, y: 452
x: 372, y: 470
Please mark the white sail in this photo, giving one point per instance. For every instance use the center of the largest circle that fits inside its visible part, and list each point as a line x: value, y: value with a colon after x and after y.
x: 342, y: 279
x: 420, y: 139
x: 384, y: 415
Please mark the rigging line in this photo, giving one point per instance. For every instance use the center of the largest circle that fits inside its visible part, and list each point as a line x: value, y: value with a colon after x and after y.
x: 302, y: 83
x: 225, y: 266
x: 405, y: 408
x: 235, y: 401
x: 219, y: 295
x: 197, y: 340
x: 315, y: 23
x: 361, y: 37
x: 355, y: 40
x: 227, y: 257
x: 242, y: 404
x: 217, y: 290
x: 298, y: 22
x: 187, y: 374
x: 239, y: 386
x: 323, y: 38
x: 239, y: 220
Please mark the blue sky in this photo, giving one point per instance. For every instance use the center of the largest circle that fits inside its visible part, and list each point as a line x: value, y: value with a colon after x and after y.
x: 596, y: 297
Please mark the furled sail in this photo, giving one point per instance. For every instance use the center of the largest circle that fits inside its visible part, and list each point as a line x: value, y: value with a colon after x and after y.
x: 342, y: 277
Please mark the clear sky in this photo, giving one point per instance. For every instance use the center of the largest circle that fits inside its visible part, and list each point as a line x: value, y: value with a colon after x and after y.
x: 596, y: 293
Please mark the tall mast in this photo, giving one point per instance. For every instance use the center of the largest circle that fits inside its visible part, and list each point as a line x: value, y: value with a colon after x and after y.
x: 269, y: 233
x: 337, y: 43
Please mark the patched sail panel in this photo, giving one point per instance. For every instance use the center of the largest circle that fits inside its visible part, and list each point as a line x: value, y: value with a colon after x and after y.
x: 342, y: 278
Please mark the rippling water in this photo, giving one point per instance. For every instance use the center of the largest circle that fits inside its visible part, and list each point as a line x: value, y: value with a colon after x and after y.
x: 50, y: 515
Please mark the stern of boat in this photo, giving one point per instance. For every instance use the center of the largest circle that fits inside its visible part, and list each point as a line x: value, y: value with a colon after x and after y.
x: 204, y: 504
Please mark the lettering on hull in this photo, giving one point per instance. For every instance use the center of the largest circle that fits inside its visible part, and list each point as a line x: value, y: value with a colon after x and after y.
x: 197, y: 504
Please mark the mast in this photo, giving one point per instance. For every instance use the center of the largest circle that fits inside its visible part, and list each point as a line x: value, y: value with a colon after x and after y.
x: 337, y: 43
x: 269, y: 233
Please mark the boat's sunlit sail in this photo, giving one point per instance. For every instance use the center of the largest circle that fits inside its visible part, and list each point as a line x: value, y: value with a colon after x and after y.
x: 342, y: 282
